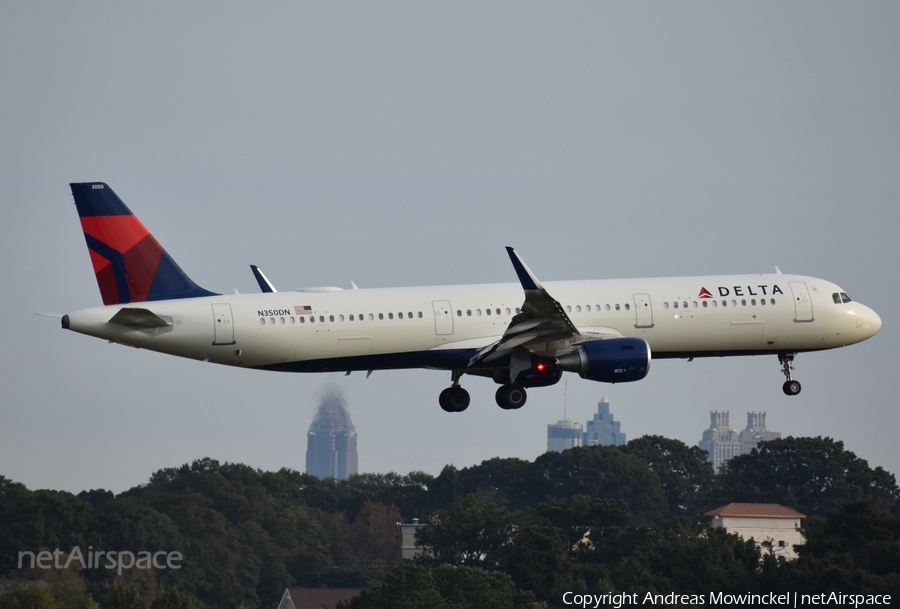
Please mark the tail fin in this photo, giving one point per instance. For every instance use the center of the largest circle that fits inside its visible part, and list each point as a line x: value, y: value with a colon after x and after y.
x: 130, y: 265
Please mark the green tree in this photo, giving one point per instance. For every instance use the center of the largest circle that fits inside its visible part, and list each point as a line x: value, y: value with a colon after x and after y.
x: 173, y: 598
x: 472, y: 532
x: 598, y: 471
x: 123, y: 596
x: 474, y: 588
x: 538, y: 561
x: 578, y: 515
x: 812, y: 475
x: 685, y: 474
x: 34, y: 596
x: 409, y: 586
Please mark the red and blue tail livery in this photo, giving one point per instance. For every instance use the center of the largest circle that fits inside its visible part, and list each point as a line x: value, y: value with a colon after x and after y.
x: 130, y: 265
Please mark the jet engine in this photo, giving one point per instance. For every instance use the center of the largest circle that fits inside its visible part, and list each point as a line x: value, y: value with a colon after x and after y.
x: 615, y: 360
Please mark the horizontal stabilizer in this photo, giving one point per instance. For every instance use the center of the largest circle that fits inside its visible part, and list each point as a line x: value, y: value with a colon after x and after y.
x: 139, y: 318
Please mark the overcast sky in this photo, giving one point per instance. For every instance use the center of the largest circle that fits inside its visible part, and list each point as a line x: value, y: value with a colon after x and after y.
x: 406, y: 143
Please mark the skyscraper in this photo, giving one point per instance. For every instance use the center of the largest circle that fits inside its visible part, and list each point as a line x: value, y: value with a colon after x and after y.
x: 562, y: 435
x: 720, y: 440
x: 603, y: 428
x: 331, y: 441
x: 723, y: 443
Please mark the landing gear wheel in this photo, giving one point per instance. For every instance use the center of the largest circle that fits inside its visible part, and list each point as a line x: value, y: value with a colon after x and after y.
x: 454, y: 399
x: 791, y: 387
x: 511, y: 397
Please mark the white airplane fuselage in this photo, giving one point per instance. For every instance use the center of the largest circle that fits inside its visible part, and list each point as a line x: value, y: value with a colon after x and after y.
x: 521, y: 335
x: 371, y: 329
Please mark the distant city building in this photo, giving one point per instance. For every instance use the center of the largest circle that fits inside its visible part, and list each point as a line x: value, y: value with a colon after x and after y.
x: 564, y: 435
x: 409, y: 547
x: 722, y: 442
x: 603, y: 428
x: 755, y: 432
x: 331, y: 442
x: 772, y: 526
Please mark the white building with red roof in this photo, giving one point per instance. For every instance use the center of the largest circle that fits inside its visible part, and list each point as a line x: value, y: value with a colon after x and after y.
x: 772, y: 526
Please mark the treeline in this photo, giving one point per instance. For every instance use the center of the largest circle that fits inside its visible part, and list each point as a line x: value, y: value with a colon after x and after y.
x: 505, y: 533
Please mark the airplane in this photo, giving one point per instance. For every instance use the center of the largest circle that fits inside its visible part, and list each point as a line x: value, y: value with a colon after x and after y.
x: 520, y: 335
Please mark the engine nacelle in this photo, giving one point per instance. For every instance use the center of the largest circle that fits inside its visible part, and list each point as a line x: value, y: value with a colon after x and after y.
x: 543, y: 373
x: 615, y: 360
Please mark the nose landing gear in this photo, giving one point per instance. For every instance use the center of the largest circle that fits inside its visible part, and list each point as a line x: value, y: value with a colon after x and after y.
x: 790, y: 387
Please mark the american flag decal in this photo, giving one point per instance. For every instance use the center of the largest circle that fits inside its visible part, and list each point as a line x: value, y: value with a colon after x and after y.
x: 302, y: 310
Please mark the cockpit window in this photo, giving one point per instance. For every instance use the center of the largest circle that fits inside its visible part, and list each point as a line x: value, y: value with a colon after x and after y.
x: 841, y: 297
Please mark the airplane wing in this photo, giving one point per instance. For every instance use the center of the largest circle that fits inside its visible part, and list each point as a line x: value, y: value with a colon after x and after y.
x: 542, y: 322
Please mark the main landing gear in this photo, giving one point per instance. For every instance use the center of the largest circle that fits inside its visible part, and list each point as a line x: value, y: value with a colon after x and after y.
x: 454, y: 398
x: 511, y: 396
x: 790, y: 387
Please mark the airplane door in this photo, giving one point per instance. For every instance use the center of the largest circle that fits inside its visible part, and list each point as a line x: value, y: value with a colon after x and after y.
x: 643, y: 311
x: 224, y: 327
x: 443, y: 317
x: 803, y: 310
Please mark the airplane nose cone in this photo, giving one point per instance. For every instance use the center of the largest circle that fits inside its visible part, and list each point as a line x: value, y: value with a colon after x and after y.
x: 869, y: 321
x: 874, y: 322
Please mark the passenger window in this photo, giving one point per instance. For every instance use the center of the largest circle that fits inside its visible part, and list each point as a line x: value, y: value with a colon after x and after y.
x: 488, y: 311
x: 281, y: 320
x: 665, y: 305
x: 705, y: 304
x: 390, y: 316
x: 381, y: 316
x: 420, y: 314
x: 618, y: 307
x: 302, y: 320
x: 568, y: 308
x: 578, y: 309
x: 507, y: 310
x: 694, y: 304
x: 262, y: 321
x: 498, y: 311
x: 724, y: 303
x: 743, y: 302
x: 468, y: 312
x: 400, y: 315
x: 588, y: 308
x: 675, y: 304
